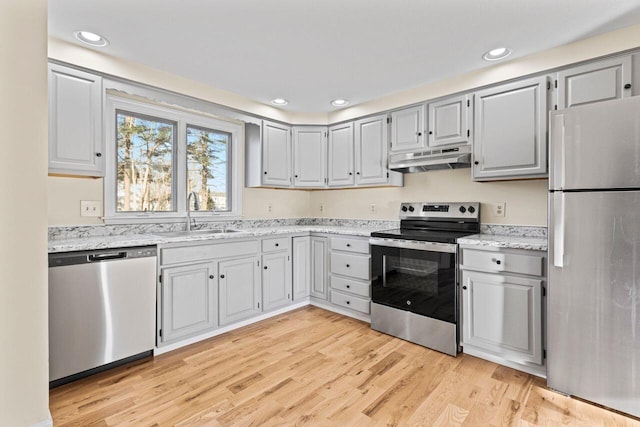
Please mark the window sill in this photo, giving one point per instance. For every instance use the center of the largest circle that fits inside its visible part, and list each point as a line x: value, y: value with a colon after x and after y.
x: 170, y: 219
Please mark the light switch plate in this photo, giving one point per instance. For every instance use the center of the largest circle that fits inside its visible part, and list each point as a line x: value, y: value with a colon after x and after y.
x: 90, y: 208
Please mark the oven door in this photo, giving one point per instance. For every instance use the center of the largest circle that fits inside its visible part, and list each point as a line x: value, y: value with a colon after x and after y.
x: 420, y: 277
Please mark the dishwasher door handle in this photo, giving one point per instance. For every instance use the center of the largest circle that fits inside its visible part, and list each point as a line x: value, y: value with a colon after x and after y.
x: 104, y: 257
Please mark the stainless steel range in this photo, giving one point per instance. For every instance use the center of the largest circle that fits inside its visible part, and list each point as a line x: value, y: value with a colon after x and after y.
x: 415, y: 273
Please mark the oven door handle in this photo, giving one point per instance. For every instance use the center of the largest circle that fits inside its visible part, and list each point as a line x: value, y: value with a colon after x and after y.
x: 414, y: 244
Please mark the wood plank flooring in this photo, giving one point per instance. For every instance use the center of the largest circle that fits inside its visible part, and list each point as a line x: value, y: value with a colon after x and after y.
x: 317, y: 368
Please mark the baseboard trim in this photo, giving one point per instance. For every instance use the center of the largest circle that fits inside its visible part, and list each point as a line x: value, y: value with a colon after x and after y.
x: 44, y: 423
x: 538, y: 371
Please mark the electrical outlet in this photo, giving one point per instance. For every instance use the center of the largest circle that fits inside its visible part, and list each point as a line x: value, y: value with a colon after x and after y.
x: 90, y: 208
x: 321, y: 207
x: 372, y: 208
x: 269, y: 207
x: 499, y: 208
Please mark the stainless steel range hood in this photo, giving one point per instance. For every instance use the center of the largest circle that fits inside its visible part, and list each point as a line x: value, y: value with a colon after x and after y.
x: 446, y: 158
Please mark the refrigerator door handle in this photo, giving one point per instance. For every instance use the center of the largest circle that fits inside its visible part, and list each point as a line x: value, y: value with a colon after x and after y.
x: 557, y: 166
x: 558, y: 229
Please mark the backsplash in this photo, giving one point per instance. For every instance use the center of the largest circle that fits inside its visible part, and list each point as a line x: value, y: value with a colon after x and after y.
x: 86, y: 231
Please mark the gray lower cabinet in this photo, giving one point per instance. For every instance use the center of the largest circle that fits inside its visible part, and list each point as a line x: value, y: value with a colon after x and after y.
x: 239, y: 289
x: 510, y: 130
x: 319, y: 268
x: 276, y: 280
x: 502, y: 304
x: 301, y: 267
x: 351, y: 273
x: 189, y: 300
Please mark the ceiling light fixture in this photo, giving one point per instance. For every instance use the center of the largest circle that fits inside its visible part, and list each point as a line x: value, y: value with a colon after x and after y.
x: 90, y: 38
x: 279, y: 101
x: 497, y: 53
x: 339, y: 102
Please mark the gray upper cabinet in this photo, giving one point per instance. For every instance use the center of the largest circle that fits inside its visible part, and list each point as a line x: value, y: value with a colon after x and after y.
x: 75, y: 122
x: 310, y: 156
x: 371, y: 140
x: 276, y: 154
x: 341, y: 165
x: 239, y: 285
x: 593, y: 82
x: 510, y: 130
x: 189, y: 300
x: 407, y: 130
x: 449, y: 121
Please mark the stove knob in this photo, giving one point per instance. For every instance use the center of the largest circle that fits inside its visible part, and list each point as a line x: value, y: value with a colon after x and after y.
x: 462, y: 209
x: 411, y: 209
x: 404, y: 209
x: 472, y: 209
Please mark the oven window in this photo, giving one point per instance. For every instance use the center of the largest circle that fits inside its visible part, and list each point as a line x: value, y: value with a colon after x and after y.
x: 423, y: 282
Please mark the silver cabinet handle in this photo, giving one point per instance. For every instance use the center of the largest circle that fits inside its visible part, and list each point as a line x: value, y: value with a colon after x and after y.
x: 558, y: 230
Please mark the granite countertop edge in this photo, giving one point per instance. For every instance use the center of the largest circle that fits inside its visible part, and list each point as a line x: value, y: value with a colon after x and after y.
x: 508, y: 242
x: 132, y: 240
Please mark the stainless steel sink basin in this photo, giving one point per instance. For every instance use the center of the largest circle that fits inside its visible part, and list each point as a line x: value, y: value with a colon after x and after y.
x: 195, y: 232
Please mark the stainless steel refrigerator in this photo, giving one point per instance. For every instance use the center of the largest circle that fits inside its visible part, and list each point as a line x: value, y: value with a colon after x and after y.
x: 593, y: 331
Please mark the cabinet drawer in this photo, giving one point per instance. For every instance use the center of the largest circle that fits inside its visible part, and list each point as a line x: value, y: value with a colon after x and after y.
x: 350, y: 301
x: 356, y: 266
x: 503, y: 262
x: 197, y: 253
x: 350, y: 245
x: 358, y: 288
x: 276, y: 244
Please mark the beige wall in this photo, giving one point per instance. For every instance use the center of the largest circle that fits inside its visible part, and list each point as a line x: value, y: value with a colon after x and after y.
x: 526, y: 201
x: 23, y: 224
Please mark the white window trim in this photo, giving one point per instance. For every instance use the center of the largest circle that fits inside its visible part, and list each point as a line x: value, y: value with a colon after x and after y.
x: 182, y: 119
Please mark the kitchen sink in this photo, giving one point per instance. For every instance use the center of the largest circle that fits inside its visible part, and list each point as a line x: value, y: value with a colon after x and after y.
x: 186, y: 233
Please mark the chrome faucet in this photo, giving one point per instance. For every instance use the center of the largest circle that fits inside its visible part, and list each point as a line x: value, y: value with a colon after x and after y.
x: 196, y: 206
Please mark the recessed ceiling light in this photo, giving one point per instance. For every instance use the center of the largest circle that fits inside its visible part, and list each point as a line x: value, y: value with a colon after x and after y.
x: 279, y: 101
x: 90, y: 38
x: 339, y: 102
x: 497, y: 53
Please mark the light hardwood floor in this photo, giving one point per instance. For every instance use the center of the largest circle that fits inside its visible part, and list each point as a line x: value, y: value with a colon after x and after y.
x: 314, y: 367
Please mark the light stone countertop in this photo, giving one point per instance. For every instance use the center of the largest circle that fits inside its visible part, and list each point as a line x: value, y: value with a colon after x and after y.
x: 510, y: 242
x: 130, y: 240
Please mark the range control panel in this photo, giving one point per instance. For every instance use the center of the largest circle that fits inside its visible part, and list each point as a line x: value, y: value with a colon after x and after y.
x: 448, y: 211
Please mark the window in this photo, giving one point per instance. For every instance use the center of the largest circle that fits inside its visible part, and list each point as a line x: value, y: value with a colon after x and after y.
x: 157, y: 155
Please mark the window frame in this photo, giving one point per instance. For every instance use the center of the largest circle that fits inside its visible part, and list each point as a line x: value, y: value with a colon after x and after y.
x: 182, y: 118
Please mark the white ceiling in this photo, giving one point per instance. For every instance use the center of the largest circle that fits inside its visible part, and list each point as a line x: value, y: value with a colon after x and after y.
x: 312, y: 51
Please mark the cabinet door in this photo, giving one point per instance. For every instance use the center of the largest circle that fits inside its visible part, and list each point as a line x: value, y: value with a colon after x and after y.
x: 276, y: 280
x: 340, y: 160
x: 276, y: 154
x: 407, y: 130
x: 239, y: 285
x: 597, y: 81
x: 510, y: 138
x: 319, y: 267
x: 189, y: 300
x: 371, y: 140
x: 75, y: 122
x: 503, y: 314
x: 310, y: 156
x: 449, y: 121
x: 301, y: 267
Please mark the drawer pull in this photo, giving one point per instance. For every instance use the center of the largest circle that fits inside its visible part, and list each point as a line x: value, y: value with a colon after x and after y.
x: 348, y: 286
x: 347, y: 265
x: 222, y: 276
x: 265, y: 267
x: 211, y: 276
x: 348, y: 302
x: 497, y: 261
x: 464, y: 287
x: 348, y: 245
x: 277, y: 244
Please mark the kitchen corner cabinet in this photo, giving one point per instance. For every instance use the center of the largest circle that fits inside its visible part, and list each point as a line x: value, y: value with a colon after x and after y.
x: 407, y: 130
x: 239, y: 284
x: 75, y: 122
x: 596, y: 81
x: 319, y: 267
x: 502, y: 304
x: 310, y: 156
x: 510, y: 130
x: 189, y: 300
x: 301, y: 254
x: 276, y: 273
x: 449, y: 122
x: 340, y: 160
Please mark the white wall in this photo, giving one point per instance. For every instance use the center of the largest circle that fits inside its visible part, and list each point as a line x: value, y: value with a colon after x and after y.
x: 24, y: 375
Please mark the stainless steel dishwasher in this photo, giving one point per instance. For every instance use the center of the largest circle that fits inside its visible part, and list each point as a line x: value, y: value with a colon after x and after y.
x: 102, y: 307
